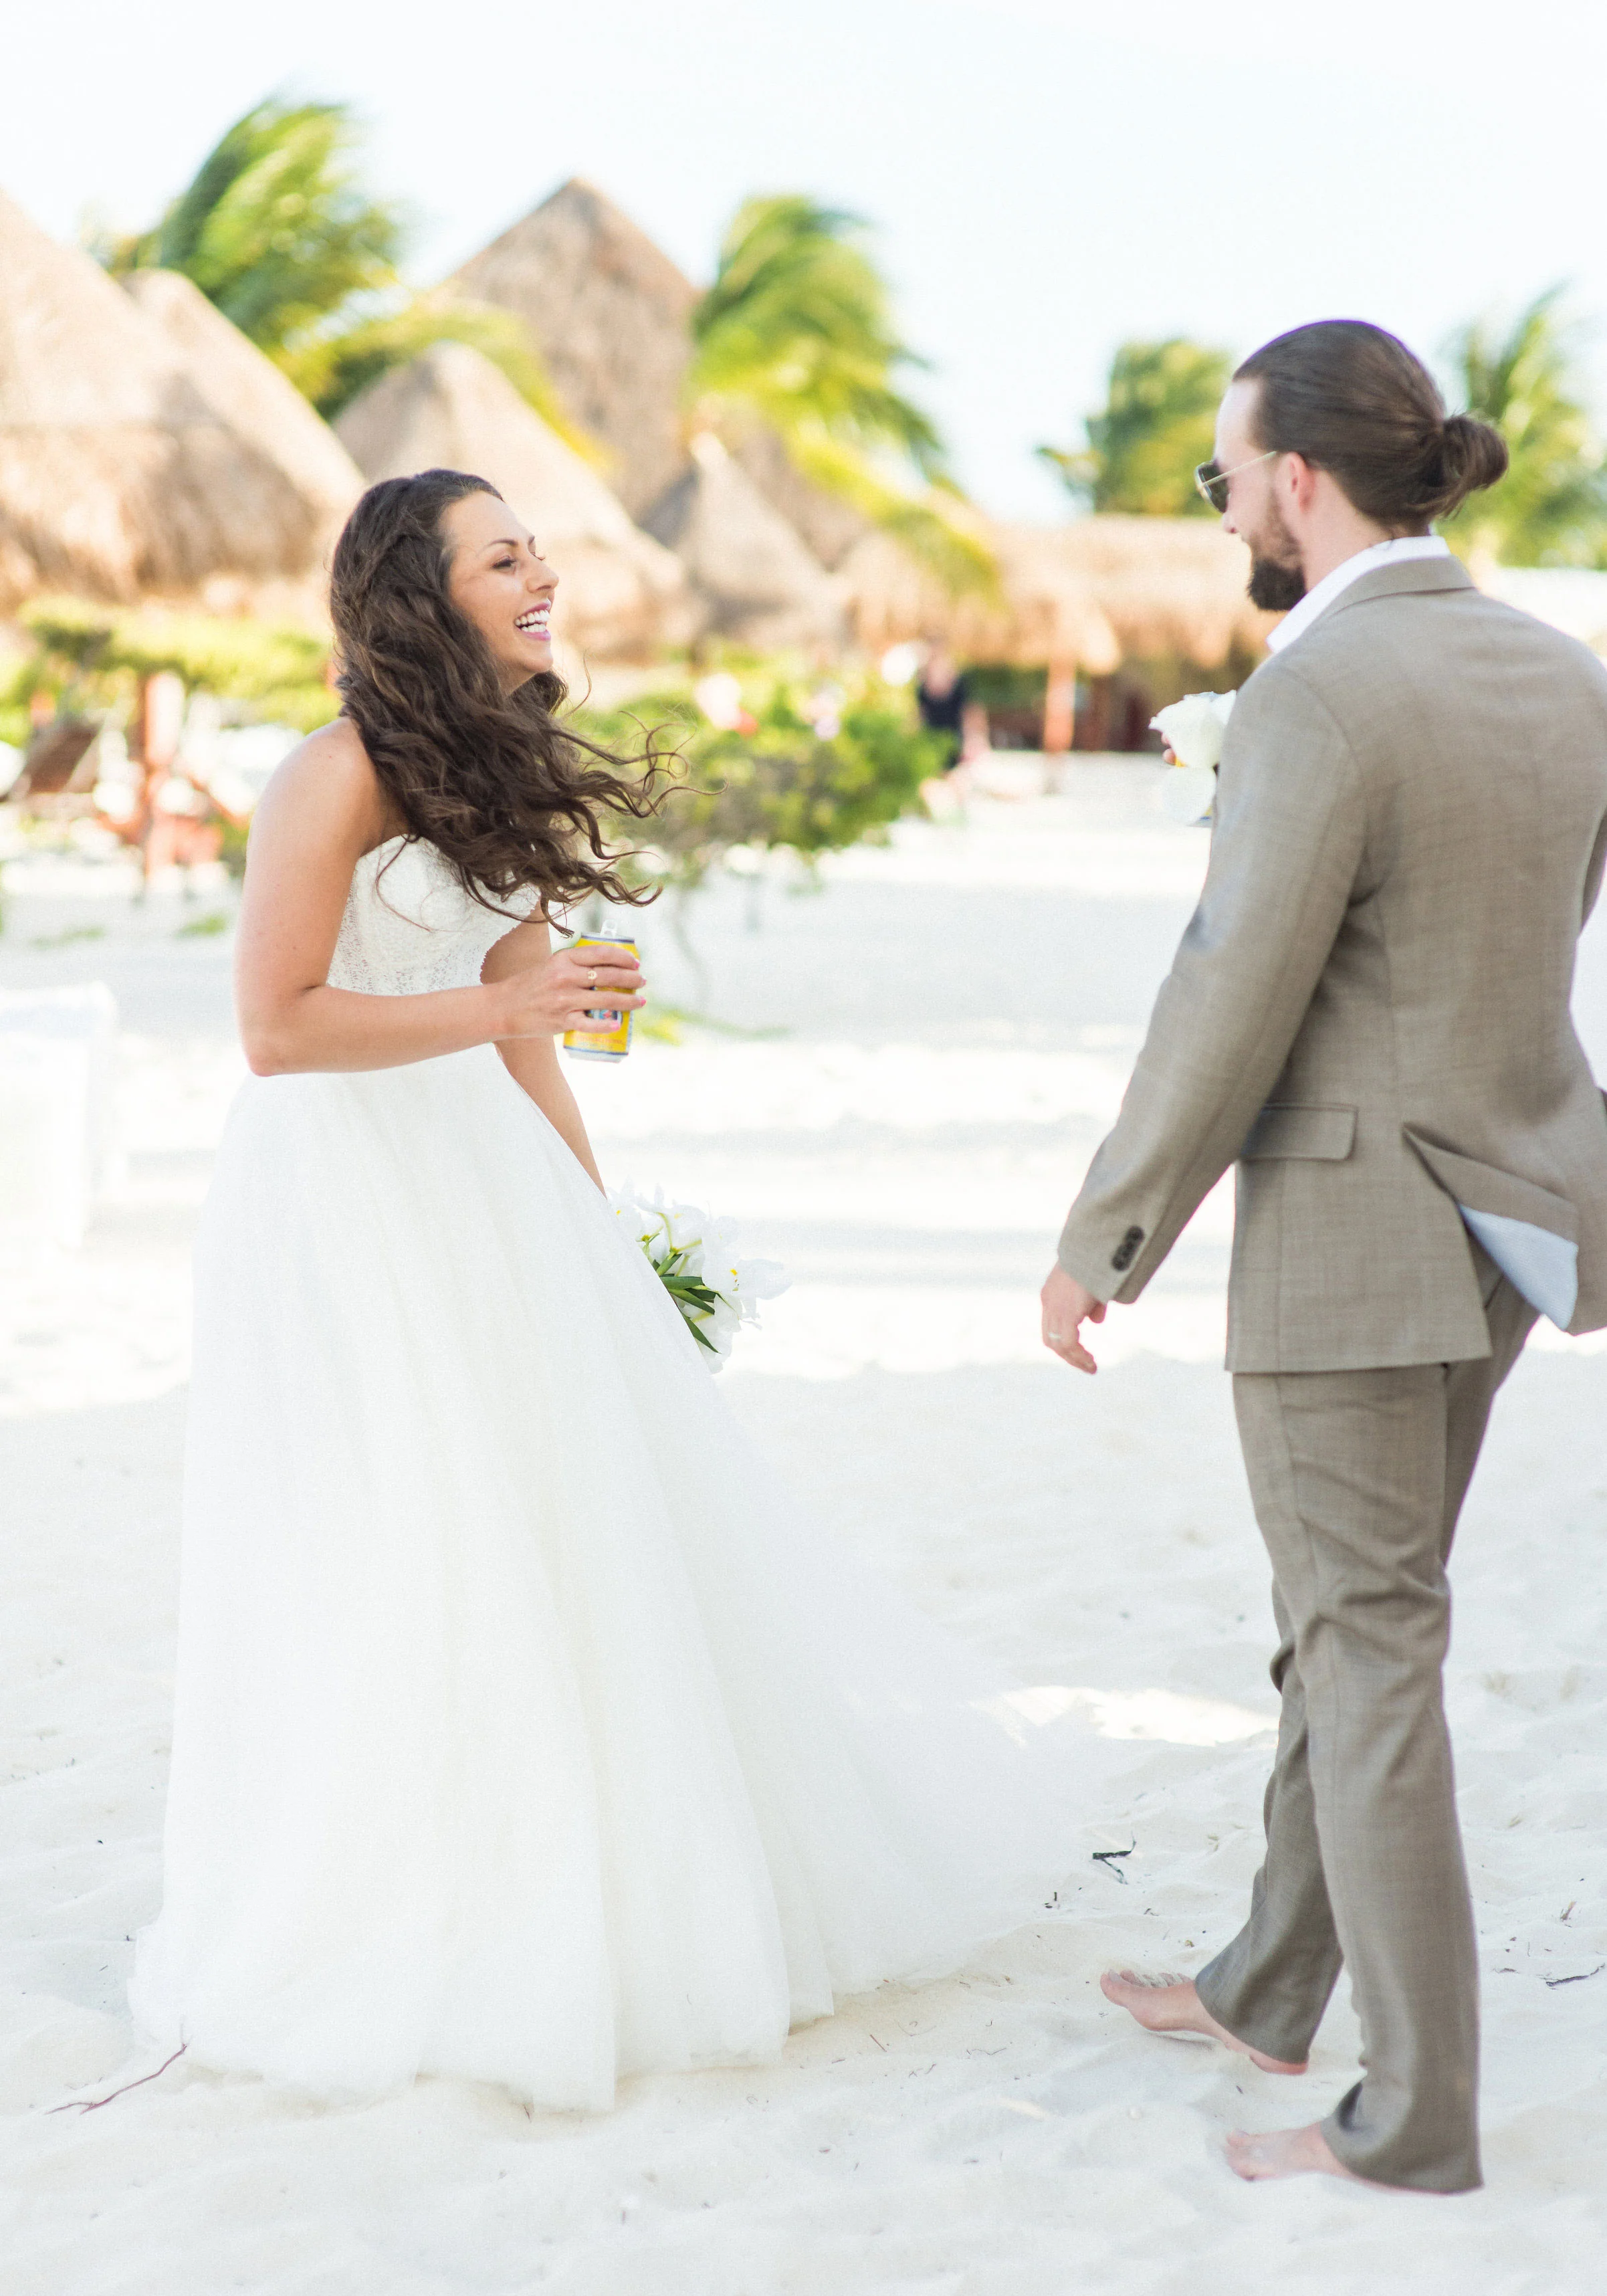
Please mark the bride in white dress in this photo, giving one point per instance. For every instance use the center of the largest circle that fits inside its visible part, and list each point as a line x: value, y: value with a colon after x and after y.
x: 522, y: 1733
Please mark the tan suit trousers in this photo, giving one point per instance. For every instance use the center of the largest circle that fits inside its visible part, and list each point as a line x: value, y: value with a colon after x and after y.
x: 1357, y: 1478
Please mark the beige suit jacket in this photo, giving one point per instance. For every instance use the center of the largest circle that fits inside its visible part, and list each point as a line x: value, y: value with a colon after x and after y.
x: 1369, y: 1010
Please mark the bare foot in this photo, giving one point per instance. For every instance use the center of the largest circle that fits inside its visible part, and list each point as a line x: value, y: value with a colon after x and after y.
x: 1166, y: 2004
x: 1286, y: 2152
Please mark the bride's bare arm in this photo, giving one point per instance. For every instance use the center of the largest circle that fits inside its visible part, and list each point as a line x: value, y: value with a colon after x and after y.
x: 323, y: 810
x: 532, y: 1061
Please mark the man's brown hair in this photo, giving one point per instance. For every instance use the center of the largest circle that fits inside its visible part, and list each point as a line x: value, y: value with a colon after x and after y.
x: 1353, y: 401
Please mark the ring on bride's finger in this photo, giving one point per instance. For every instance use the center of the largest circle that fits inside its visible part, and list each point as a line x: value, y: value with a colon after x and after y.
x: 1056, y: 1336
x: 592, y: 983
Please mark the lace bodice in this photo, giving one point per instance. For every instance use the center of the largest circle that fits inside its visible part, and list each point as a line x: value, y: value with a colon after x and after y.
x: 413, y: 928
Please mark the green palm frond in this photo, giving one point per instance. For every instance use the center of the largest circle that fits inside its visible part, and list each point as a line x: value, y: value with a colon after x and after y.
x: 275, y: 228
x: 797, y: 334
x: 331, y: 364
x: 798, y: 325
x: 926, y: 525
x: 1157, y: 425
x: 1551, y: 507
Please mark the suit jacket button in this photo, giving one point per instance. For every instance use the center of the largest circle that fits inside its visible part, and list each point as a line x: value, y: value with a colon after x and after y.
x: 1127, y: 1250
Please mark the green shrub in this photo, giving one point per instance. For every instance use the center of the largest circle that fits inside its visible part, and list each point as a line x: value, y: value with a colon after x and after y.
x: 781, y: 783
x: 17, y: 684
x: 1002, y: 685
x: 93, y: 656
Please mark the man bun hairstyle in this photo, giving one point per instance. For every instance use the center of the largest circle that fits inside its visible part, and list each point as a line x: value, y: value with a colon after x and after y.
x: 1355, y: 402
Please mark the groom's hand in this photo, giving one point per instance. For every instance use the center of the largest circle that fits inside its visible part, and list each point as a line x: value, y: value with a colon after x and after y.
x: 1068, y: 1306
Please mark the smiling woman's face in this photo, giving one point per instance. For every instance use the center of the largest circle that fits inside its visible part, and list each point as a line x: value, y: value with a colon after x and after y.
x: 501, y: 583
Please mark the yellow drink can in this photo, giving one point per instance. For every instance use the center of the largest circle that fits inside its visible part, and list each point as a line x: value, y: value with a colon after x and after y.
x: 611, y: 1041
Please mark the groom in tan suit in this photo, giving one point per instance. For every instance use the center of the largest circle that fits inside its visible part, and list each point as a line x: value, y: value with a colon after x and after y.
x: 1369, y: 1013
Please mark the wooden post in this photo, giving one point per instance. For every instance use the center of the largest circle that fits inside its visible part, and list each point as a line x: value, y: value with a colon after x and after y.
x: 161, y: 721
x: 1059, y: 709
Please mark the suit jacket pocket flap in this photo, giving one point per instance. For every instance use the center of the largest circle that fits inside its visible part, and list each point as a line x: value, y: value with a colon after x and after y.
x: 1286, y: 1128
x: 1487, y: 1188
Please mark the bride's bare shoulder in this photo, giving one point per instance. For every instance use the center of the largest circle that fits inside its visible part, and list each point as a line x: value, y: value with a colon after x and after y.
x: 327, y: 789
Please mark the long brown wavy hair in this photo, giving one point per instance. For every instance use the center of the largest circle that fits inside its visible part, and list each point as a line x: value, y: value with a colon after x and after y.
x: 511, y: 795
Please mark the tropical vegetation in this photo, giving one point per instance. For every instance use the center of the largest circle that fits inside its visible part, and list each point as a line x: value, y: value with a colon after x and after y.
x: 1527, y: 379
x: 799, y: 774
x: 277, y: 228
x: 1156, y: 424
x: 796, y: 333
x: 90, y: 660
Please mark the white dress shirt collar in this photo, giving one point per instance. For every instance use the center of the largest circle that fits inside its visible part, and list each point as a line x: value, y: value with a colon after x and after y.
x: 1351, y: 570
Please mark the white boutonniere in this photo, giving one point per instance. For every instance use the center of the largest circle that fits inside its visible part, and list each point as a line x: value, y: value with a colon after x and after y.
x: 1192, y: 731
x: 694, y: 1257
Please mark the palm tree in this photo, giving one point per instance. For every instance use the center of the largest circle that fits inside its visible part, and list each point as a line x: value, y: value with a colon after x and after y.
x: 796, y: 334
x: 1157, y: 425
x: 276, y: 228
x: 1551, y: 508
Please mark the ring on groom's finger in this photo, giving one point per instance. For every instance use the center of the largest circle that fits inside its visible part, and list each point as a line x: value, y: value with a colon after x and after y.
x: 1056, y: 1336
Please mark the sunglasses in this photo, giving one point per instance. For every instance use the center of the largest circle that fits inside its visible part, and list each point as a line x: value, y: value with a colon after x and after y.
x: 1213, y: 483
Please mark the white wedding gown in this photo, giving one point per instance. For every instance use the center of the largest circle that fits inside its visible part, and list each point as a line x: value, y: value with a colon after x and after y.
x: 523, y: 1733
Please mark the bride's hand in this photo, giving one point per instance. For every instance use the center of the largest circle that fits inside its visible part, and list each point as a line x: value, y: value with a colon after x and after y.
x: 564, y: 989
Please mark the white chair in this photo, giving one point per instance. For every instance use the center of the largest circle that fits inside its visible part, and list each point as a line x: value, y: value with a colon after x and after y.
x: 57, y: 1082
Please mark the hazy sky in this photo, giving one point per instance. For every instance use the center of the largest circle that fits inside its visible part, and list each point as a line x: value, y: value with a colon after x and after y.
x: 1043, y: 184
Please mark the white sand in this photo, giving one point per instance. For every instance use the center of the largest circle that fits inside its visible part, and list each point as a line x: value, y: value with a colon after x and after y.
x: 960, y: 1011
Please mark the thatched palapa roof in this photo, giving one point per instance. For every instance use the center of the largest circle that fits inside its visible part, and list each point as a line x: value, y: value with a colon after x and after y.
x: 1168, y: 586
x: 1093, y: 594
x: 609, y: 313
x: 619, y: 592
x: 752, y: 580
x: 1040, y: 611
x: 250, y: 390
x: 829, y: 526
x: 611, y: 316
x: 120, y: 474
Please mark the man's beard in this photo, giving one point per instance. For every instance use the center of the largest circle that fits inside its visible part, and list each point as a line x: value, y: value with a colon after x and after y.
x: 1275, y: 587
x: 1276, y: 584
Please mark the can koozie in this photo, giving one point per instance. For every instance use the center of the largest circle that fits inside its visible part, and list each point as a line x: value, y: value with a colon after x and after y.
x: 612, y: 1041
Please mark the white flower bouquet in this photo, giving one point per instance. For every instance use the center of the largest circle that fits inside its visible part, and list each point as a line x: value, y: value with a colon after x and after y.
x: 1192, y: 731
x: 694, y: 1256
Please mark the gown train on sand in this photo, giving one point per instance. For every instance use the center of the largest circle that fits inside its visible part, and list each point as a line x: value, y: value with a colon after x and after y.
x: 523, y: 1733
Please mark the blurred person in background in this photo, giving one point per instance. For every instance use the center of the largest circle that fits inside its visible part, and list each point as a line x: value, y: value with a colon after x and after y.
x: 947, y: 706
